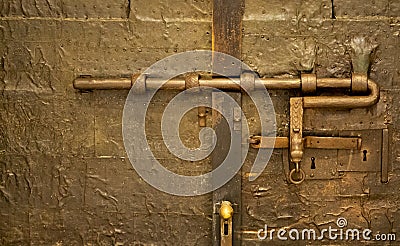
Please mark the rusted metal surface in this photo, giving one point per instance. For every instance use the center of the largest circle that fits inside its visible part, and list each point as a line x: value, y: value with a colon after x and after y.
x: 64, y: 176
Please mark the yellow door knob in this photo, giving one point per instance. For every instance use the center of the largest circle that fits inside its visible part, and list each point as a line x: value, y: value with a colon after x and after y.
x: 226, y: 210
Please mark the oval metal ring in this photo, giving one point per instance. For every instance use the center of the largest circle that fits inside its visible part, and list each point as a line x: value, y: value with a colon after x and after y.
x: 303, y: 176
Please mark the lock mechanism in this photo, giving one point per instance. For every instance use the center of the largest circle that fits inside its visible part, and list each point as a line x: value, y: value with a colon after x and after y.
x: 346, y: 151
x: 226, y: 214
x: 308, y: 83
x: 330, y: 157
x: 296, y: 175
x: 299, y: 146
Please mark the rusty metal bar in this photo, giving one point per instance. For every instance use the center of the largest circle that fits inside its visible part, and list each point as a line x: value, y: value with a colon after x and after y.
x: 281, y: 84
x: 345, y: 101
x: 310, y: 142
x: 173, y: 84
x: 313, y: 142
x: 333, y: 83
x: 221, y: 83
x: 260, y: 142
x: 88, y: 83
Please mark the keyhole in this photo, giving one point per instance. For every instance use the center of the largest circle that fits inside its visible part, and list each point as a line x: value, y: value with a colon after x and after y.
x: 226, y: 228
x: 312, y: 163
x: 365, y: 155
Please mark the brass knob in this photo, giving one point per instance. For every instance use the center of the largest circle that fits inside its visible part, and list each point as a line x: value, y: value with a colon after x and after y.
x: 226, y: 210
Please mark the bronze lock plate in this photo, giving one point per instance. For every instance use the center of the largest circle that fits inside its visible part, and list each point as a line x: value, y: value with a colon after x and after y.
x: 369, y: 154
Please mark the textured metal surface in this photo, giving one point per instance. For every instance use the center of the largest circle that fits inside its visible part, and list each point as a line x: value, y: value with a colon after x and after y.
x: 281, y: 39
x: 64, y: 179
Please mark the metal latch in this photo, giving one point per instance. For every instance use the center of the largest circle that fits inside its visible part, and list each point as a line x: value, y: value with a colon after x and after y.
x: 310, y: 142
x: 308, y: 83
x: 331, y: 157
x: 297, y: 144
x: 297, y: 174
